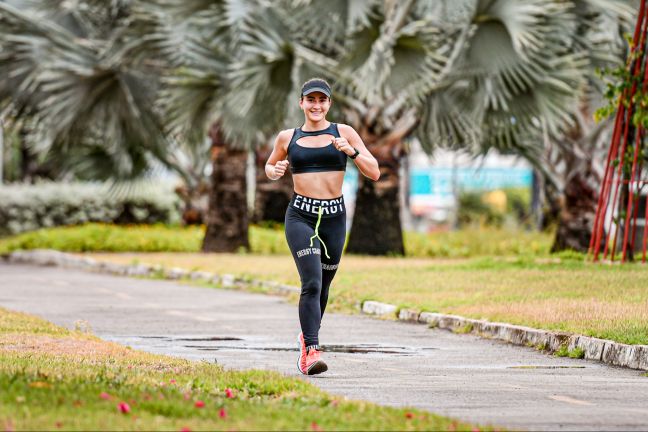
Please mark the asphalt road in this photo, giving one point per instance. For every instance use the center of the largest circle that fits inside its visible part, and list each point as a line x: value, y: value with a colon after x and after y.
x: 385, y: 362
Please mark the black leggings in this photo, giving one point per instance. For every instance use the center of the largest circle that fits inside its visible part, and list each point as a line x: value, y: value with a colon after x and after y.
x: 316, y: 269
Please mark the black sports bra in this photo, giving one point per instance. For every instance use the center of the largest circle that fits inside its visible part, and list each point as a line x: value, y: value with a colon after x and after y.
x: 315, y: 159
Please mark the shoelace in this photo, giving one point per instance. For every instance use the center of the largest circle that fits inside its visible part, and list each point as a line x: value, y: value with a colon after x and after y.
x: 319, y: 218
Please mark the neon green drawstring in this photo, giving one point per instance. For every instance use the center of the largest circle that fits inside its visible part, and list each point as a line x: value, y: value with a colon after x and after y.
x: 319, y: 218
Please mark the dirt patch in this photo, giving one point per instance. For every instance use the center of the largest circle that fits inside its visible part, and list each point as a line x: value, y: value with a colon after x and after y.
x: 62, y: 346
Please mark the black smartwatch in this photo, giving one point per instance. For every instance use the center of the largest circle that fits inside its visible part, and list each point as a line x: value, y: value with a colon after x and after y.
x: 355, y: 155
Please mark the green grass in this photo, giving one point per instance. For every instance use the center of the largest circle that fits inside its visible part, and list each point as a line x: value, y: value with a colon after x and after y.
x: 53, y: 378
x: 562, y: 294
x: 576, y: 353
x: 525, y: 285
x: 160, y: 238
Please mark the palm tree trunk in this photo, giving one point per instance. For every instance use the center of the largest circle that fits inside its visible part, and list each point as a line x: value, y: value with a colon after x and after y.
x: 271, y: 196
x: 577, y: 214
x: 376, y: 227
x: 227, y: 216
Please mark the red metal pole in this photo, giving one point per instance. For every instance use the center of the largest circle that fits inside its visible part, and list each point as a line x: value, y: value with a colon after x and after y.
x: 604, y: 195
x: 638, y: 141
x: 633, y: 90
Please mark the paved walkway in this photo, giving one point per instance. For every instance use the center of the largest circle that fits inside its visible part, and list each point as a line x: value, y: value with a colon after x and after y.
x: 385, y: 362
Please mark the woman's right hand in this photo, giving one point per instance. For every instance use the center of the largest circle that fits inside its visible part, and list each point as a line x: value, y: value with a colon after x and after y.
x: 280, y: 168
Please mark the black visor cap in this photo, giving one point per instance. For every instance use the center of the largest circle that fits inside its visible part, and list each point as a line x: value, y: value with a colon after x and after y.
x: 316, y: 86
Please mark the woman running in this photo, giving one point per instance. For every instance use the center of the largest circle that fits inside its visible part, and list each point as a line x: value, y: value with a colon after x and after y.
x: 317, y: 156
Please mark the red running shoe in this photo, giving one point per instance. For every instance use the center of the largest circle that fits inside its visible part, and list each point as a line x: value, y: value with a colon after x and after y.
x: 313, y: 364
x: 301, y: 346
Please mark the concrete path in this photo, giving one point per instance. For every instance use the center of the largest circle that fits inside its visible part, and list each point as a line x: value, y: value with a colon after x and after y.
x: 385, y: 362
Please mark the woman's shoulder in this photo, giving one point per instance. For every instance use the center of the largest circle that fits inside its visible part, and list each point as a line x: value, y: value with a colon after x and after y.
x: 346, y: 130
x: 285, y: 135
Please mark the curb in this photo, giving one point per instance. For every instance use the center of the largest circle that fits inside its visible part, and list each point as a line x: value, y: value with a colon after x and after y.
x: 46, y: 257
x: 606, y: 351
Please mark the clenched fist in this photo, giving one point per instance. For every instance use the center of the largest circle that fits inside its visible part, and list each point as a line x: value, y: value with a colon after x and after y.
x: 343, y: 145
x: 280, y: 168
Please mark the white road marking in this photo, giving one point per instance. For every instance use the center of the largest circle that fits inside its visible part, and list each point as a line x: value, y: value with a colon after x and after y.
x: 573, y: 401
x: 189, y: 315
x: 176, y: 313
x: 392, y: 369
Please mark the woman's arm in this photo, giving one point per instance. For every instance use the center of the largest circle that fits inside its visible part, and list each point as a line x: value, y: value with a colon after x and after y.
x: 277, y: 163
x: 348, y: 142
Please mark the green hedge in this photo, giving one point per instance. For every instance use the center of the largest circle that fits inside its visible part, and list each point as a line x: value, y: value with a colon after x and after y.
x: 31, y: 207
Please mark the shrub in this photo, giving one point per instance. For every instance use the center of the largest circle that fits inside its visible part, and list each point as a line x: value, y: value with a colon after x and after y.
x: 474, y: 211
x: 30, y: 207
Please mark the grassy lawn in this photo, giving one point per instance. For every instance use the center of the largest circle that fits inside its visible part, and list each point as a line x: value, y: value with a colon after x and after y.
x: 492, y: 274
x: 53, y: 378
x: 159, y: 238
x: 605, y: 301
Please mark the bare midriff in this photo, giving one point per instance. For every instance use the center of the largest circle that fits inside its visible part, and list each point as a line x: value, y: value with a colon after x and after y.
x: 321, y: 185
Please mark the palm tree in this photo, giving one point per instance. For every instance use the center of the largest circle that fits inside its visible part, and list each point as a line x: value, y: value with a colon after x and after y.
x: 574, y: 163
x: 473, y: 74
x: 76, y: 91
x: 196, y: 81
x: 94, y: 82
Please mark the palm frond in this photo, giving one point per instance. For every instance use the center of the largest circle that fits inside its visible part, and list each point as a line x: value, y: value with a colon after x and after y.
x: 80, y: 98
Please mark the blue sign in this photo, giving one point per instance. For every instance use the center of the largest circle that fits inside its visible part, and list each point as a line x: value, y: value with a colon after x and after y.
x: 438, y: 181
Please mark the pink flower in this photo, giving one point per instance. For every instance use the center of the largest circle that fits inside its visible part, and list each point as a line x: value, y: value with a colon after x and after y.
x: 199, y: 404
x: 187, y: 396
x: 475, y: 429
x: 105, y: 396
x: 172, y: 381
x: 409, y: 415
x: 124, y: 407
x: 222, y: 413
x: 228, y: 393
x: 315, y: 426
x: 185, y: 429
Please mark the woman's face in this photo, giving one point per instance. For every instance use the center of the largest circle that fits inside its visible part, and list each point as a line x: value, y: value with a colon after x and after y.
x: 315, y: 106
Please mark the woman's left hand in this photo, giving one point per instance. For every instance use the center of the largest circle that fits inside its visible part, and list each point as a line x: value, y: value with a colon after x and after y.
x: 343, y: 145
